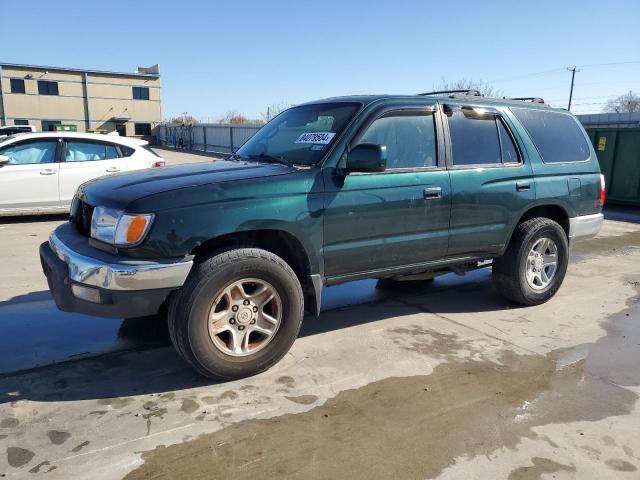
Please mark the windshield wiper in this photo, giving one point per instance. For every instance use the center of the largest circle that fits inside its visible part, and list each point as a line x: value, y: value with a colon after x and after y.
x: 273, y: 159
x: 234, y: 156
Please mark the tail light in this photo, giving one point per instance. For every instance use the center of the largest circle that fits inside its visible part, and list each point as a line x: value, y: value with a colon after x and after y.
x: 603, y: 193
x: 159, y: 163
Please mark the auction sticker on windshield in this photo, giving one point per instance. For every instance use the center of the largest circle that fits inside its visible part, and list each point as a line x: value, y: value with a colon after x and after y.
x: 322, y: 138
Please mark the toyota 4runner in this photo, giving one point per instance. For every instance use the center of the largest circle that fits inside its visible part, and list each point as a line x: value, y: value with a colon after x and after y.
x: 386, y: 187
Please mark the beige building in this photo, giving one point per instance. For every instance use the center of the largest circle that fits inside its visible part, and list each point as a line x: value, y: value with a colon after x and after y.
x: 92, y: 100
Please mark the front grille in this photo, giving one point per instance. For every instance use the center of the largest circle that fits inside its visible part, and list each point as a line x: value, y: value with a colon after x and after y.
x: 81, y: 218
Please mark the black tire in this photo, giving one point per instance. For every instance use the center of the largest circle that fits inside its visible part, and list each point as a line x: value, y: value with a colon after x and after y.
x: 189, y: 310
x: 509, y: 271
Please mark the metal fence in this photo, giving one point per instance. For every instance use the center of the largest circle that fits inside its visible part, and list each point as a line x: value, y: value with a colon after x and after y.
x: 207, y: 137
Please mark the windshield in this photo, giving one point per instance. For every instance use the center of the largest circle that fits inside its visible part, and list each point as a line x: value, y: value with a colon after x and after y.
x: 299, y: 135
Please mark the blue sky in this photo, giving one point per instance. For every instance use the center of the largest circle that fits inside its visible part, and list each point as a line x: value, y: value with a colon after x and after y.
x: 244, y: 56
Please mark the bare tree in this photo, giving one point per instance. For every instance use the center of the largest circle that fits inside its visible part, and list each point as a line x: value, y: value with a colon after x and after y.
x: 184, y: 120
x: 627, y: 103
x: 237, y: 118
x: 233, y: 117
x: 273, y: 110
x: 469, y: 84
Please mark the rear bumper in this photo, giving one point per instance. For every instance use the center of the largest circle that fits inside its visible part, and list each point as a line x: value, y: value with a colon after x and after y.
x: 106, y: 285
x: 585, y: 226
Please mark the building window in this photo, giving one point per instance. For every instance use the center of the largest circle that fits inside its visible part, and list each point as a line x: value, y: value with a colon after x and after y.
x: 142, y: 129
x: 50, y: 125
x: 47, y: 87
x: 140, y: 93
x: 20, y: 122
x: 17, y: 85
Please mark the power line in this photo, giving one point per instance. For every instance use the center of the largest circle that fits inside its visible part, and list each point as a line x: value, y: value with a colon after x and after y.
x: 554, y: 70
x: 564, y: 99
x: 590, y: 65
x: 525, y: 75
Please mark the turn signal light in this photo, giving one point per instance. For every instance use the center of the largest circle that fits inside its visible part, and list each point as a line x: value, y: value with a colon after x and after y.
x: 136, y: 229
x: 159, y: 163
x: 603, y: 193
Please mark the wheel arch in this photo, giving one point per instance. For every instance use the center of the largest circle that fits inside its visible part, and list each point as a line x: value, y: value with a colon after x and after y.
x: 279, y: 242
x: 552, y: 211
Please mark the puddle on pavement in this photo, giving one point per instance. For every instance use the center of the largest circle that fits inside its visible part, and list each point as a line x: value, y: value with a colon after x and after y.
x: 415, y: 427
x: 62, y: 336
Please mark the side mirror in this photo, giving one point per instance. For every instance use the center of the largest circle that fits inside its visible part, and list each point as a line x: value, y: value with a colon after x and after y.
x: 367, y: 157
x: 4, y: 160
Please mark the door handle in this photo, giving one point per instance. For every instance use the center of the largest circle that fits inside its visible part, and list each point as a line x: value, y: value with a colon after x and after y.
x: 47, y: 171
x: 523, y: 186
x: 113, y: 169
x: 429, y: 193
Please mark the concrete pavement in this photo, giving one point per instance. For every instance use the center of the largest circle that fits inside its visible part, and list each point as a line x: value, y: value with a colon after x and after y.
x: 444, y: 381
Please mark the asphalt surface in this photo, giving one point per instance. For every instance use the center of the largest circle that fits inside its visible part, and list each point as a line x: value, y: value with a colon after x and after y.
x: 440, y: 381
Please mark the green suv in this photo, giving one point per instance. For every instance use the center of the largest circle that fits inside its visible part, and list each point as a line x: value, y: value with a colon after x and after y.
x: 388, y: 187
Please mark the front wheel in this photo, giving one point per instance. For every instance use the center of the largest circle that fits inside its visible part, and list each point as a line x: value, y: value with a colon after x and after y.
x: 535, y: 263
x: 238, y: 313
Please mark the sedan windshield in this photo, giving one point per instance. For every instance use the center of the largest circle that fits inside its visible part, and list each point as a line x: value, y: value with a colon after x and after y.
x: 300, y: 135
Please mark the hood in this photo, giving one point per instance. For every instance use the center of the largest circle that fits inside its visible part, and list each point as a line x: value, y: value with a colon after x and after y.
x: 119, y: 190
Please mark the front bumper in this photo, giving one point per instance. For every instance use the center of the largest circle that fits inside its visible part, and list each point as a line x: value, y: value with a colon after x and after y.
x: 585, y: 226
x: 118, y: 287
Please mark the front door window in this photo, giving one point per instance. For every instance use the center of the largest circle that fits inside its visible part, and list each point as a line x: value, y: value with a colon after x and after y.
x: 30, y: 153
x: 409, y: 136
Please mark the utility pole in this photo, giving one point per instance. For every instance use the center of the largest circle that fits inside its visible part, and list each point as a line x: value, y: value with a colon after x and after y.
x: 573, y: 71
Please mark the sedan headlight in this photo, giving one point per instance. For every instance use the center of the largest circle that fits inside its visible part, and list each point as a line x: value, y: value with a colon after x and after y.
x: 118, y: 228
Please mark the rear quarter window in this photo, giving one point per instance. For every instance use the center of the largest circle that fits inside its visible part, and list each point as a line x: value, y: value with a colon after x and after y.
x: 557, y: 136
x: 126, y: 151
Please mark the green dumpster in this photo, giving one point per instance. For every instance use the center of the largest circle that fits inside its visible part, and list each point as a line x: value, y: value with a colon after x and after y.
x: 65, y: 128
x: 618, y: 151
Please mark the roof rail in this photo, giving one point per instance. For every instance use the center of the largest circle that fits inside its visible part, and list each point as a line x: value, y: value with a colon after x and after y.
x: 527, y: 99
x: 464, y: 91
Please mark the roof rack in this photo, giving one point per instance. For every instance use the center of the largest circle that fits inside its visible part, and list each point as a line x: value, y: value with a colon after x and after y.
x: 464, y: 91
x: 527, y: 99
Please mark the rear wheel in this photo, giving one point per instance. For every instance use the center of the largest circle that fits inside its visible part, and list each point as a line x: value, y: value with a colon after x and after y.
x: 535, y: 263
x: 238, y: 314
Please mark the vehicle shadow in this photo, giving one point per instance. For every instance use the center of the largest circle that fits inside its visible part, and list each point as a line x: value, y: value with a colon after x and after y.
x: 622, y: 213
x: 57, y: 217
x: 158, y: 369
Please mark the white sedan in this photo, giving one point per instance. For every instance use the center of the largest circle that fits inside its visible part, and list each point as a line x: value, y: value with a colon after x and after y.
x: 40, y: 172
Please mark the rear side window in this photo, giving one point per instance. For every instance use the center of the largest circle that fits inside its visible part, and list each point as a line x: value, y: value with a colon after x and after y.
x: 556, y: 135
x: 126, y: 151
x: 509, y: 151
x: 474, y: 140
x: 88, y: 151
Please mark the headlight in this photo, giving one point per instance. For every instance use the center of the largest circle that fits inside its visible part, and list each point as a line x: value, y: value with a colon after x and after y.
x: 117, y: 228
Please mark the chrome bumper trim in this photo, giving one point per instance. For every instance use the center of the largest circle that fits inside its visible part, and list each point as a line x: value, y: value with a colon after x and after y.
x: 585, y: 226
x: 129, y: 275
